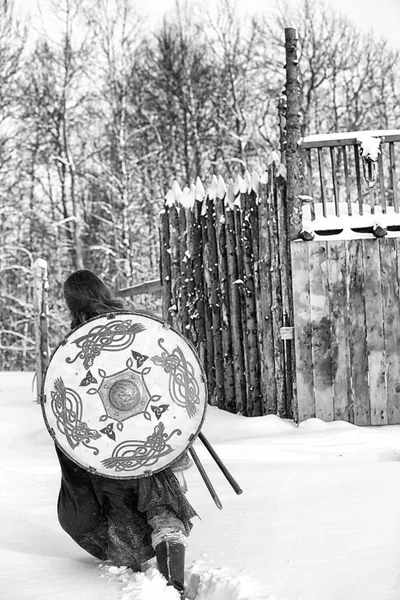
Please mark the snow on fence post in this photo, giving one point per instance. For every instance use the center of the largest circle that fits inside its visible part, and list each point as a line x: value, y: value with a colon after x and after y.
x: 214, y: 295
x: 224, y: 283
x: 40, y: 288
x: 253, y: 407
x: 165, y: 264
x: 235, y: 318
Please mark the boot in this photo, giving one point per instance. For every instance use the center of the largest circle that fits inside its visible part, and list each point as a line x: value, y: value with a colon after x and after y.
x: 171, y: 563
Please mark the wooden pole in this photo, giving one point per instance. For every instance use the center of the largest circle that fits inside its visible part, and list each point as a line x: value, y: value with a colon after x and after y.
x: 220, y: 223
x: 40, y: 316
x: 165, y: 265
x: 214, y: 300
x: 266, y: 338
x: 293, y: 160
x: 221, y: 465
x: 254, y: 408
x: 234, y: 305
x: 205, y: 477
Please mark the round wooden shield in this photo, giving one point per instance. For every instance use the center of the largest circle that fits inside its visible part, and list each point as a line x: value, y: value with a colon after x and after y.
x: 124, y: 395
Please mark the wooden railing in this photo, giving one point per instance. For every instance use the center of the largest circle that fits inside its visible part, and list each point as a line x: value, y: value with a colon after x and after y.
x: 342, y: 182
x: 148, y: 287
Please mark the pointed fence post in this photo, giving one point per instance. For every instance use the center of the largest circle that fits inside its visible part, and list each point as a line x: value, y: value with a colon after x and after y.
x: 40, y: 288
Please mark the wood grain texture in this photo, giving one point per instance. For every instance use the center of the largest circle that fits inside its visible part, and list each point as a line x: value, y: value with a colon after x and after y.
x: 303, y: 330
x: 321, y: 330
x: 357, y: 333
x: 375, y: 333
x: 390, y: 277
x: 340, y: 348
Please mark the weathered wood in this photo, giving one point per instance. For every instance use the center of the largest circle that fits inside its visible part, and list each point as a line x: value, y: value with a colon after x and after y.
x: 154, y: 286
x: 240, y: 283
x: 197, y: 265
x: 206, y: 281
x: 393, y: 177
x: 322, y: 181
x: 235, y: 311
x: 347, y: 181
x: 191, y: 330
x: 321, y: 330
x: 334, y: 181
x: 268, y: 383
x: 40, y: 311
x: 166, y: 265
x: 303, y: 330
x: 310, y: 183
x: 182, y: 292
x: 214, y: 301
x: 381, y: 179
x: 390, y: 277
x: 293, y: 158
x: 340, y: 349
x: 344, y: 139
x: 229, y: 380
x: 285, y: 269
x: 276, y: 293
x: 253, y: 374
x: 357, y: 333
x: 358, y: 179
x: 375, y: 333
x: 175, y: 264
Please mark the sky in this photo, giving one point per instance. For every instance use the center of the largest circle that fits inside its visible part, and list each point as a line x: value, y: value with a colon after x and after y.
x: 382, y: 17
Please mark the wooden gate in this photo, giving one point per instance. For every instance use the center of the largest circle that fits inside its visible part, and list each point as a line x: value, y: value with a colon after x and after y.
x: 347, y: 329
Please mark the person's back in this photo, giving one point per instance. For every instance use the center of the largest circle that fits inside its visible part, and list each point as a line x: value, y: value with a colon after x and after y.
x: 124, y: 521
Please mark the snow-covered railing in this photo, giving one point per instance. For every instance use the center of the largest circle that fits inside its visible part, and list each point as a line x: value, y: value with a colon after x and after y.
x: 351, y: 180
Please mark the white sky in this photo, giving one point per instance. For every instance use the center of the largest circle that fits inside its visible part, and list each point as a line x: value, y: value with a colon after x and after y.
x: 382, y: 16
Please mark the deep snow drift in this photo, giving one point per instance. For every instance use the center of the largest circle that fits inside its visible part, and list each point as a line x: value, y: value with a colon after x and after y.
x: 319, y: 518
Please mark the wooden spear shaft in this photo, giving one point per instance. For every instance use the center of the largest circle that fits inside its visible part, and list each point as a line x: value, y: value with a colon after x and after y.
x: 205, y: 477
x: 221, y: 465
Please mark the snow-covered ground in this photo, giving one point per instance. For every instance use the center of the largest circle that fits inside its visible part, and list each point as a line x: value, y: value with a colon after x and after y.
x: 319, y: 518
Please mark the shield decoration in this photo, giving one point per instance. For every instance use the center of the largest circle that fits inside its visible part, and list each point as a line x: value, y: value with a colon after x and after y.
x: 124, y: 395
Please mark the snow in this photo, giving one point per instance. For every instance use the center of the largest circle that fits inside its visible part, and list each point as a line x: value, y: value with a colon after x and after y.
x: 349, y: 135
x: 370, y: 146
x: 345, y: 221
x: 319, y: 518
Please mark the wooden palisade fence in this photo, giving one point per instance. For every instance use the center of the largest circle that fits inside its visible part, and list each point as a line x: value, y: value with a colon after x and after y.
x: 226, y: 285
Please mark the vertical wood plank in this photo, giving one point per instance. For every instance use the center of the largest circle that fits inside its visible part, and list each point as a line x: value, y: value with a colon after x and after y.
x: 357, y: 333
x: 235, y: 313
x: 322, y: 181
x: 321, y: 331
x: 229, y: 382
x: 390, y: 277
x: 358, y: 178
x: 393, y: 176
x: 302, y: 330
x: 310, y: 183
x: 215, y: 303
x: 375, y: 337
x: 341, y: 372
x: 334, y: 181
x: 381, y: 178
x: 268, y: 384
x: 347, y: 181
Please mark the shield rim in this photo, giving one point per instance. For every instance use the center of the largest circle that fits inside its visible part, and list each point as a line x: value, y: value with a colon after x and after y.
x: 110, y: 315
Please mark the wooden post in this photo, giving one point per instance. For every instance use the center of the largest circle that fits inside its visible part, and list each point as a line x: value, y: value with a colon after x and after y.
x: 40, y: 288
x: 166, y: 265
x: 293, y: 160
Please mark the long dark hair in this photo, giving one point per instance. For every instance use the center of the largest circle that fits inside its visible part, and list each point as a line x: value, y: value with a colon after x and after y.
x: 87, y: 296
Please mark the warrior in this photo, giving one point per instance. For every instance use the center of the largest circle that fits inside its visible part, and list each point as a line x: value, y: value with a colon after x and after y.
x: 125, y: 521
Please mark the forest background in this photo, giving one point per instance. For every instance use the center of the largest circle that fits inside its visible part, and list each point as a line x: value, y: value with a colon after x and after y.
x: 99, y: 115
